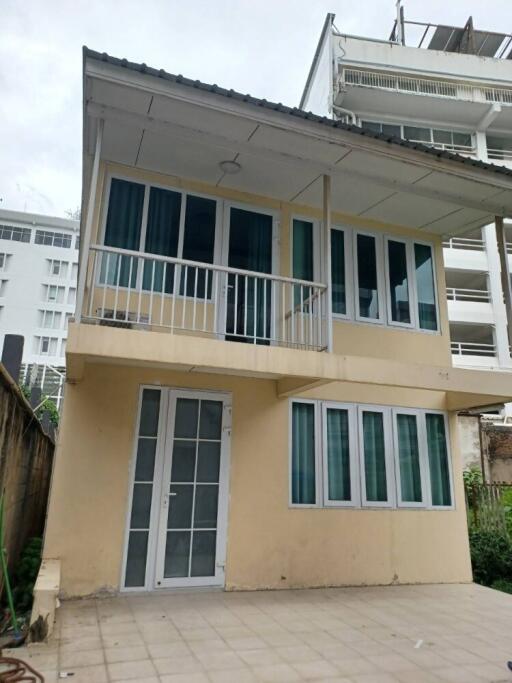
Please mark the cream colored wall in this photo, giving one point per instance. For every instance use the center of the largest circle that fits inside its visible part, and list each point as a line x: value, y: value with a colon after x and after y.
x: 348, y: 338
x: 269, y: 544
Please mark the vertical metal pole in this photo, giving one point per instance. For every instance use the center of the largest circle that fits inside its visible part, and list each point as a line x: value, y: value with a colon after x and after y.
x: 86, y: 237
x: 327, y: 257
x: 505, y: 273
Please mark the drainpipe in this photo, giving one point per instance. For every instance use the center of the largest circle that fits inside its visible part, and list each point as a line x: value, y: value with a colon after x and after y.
x: 343, y: 111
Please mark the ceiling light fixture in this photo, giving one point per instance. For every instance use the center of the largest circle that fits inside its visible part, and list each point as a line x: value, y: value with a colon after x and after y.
x: 230, y: 167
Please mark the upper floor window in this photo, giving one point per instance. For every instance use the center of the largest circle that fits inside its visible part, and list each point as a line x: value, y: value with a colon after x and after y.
x: 53, y: 239
x: 390, y: 280
x: 368, y: 456
x: 499, y: 147
x: 54, y: 294
x: 50, y: 319
x: 46, y: 346
x: 176, y: 225
x: 451, y: 140
x: 8, y: 232
x: 57, y: 268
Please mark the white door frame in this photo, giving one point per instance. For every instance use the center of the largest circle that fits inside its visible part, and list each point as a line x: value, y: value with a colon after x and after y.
x: 160, y: 533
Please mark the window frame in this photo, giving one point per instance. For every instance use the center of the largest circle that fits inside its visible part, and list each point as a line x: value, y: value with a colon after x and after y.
x: 381, y: 320
x: 433, y: 251
x: 317, y: 262
x: 318, y: 454
x: 350, y: 267
x: 355, y: 483
x: 411, y: 284
x: 423, y: 457
x: 388, y: 456
x: 218, y: 238
x: 448, y: 455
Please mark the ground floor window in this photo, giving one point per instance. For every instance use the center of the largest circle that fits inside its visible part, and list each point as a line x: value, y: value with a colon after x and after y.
x: 370, y: 456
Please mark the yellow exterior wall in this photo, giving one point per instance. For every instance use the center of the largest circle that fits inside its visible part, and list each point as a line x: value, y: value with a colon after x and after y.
x: 349, y: 338
x: 269, y: 544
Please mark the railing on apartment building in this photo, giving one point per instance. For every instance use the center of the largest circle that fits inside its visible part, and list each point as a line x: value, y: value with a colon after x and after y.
x: 470, y: 243
x: 499, y: 154
x: 423, y: 86
x: 462, y: 294
x: 131, y: 289
x: 473, y: 349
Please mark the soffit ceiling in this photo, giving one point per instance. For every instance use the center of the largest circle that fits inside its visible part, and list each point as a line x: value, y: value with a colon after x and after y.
x: 370, y: 178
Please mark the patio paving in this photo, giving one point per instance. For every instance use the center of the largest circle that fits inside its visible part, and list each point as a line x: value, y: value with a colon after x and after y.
x: 395, y: 634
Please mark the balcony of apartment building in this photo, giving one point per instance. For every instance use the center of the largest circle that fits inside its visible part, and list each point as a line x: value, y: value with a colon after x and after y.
x: 473, y: 344
x: 469, y: 297
x: 466, y: 252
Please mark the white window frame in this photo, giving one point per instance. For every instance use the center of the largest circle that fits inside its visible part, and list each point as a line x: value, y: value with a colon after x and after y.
x: 318, y: 454
x: 423, y: 458
x: 381, y: 320
x: 316, y: 244
x: 388, y: 456
x: 355, y: 486
x: 3, y: 261
x: 49, y: 289
x: 433, y: 251
x: 42, y: 341
x: 411, y: 285
x: 350, y: 268
x: 448, y: 455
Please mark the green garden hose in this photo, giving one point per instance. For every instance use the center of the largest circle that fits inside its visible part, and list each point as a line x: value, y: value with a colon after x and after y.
x: 5, y: 573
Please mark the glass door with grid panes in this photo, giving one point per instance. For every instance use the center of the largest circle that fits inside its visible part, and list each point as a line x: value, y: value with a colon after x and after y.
x: 193, y: 503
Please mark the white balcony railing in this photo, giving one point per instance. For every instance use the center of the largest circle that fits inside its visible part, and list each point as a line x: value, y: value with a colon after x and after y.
x: 470, y: 243
x: 473, y: 349
x: 460, y: 294
x: 131, y: 289
x: 501, y: 154
x: 423, y: 86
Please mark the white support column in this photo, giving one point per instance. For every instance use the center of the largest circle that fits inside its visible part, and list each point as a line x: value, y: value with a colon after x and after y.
x: 497, y: 297
x: 327, y: 256
x: 86, y: 237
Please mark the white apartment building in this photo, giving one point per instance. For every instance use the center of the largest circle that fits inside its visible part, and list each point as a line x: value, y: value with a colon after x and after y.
x: 449, y: 88
x: 38, y: 275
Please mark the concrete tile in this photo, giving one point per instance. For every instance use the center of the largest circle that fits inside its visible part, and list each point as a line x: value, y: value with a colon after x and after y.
x: 123, y: 640
x: 297, y: 653
x: 119, y: 671
x: 88, y: 674
x: 213, y: 661
x: 359, y: 665
x: 248, y: 643
x: 417, y: 676
x: 318, y: 669
x: 232, y: 676
x: 126, y: 654
x: 177, y: 665
x: 375, y: 678
x: 69, y: 660
x: 390, y: 662
x: 185, y: 678
x: 79, y: 644
x: 169, y: 649
x: 264, y: 657
x: 276, y: 673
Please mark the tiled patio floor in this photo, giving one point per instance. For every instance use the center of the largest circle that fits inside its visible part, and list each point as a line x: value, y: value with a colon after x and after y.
x: 402, y: 634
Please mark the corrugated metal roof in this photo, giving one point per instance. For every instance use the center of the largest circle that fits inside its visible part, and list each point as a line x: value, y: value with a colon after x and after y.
x: 291, y: 111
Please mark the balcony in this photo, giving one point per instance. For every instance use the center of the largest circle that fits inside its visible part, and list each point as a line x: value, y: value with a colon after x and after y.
x: 465, y: 254
x: 474, y: 295
x: 129, y: 289
x: 473, y: 344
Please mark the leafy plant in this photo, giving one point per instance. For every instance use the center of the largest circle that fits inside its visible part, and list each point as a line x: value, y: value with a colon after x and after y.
x: 491, y: 556
x: 472, y: 476
x: 26, y: 573
x: 503, y: 585
x: 46, y: 404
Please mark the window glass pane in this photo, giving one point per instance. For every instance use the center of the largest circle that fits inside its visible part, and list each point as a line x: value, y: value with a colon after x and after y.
x: 205, y: 506
x: 124, y: 220
x: 372, y: 125
x: 367, y: 277
x: 185, y: 421
x: 177, y: 551
x: 338, y: 455
x: 390, y: 129
x: 210, y: 424
x: 409, y: 458
x: 136, y: 559
x: 141, y: 506
x: 374, y: 457
x: 398, y: 282
x: 208, y: 461
x: 425, y: 286
x: 462, y: 139
x: 145, y: 466
x: 303, y: 453
x: 199, y: 241
x: 438, y: 459
x: 442, y: 136
x: 419, y: 134
x: 161, y: 237
x: 149, y: 412
x: 183, y: 461
x: 302, y: 250
x: 203, y: 553
x: 339, y: 292
x: 180, y: 506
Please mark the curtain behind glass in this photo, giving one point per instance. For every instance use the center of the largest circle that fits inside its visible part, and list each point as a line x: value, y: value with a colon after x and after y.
x: 374, y: 457
x: 123, y: 228
x: 339, y: 301
x: 302, y: 267
x: 398, y: 282
x: 250, y: 248
x: 303, y: 454
x: 367, y: 277
x: 425, y: 286
x: 338, y: 455
x: 199, y: 242
x: 438, y: 459
x: 161, y: 237
x: 409, y: 458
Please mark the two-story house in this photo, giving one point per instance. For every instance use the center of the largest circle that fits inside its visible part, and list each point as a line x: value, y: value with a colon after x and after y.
x: 260, y: 385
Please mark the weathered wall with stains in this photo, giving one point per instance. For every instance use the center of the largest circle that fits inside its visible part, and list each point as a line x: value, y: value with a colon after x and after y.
x: 497, y: 443
x: 26, y: 458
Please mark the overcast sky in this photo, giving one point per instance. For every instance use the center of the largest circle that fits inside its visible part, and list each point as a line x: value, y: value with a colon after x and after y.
x: 263, y: 47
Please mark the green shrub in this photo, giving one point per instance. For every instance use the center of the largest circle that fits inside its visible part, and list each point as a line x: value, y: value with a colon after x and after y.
x: 491, y: 556
x: 502, y: 585
x: 26, y: 574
